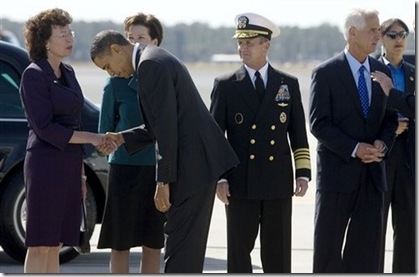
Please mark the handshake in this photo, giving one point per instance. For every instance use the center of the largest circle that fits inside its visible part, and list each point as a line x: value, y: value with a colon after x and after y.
x: 109, y: 142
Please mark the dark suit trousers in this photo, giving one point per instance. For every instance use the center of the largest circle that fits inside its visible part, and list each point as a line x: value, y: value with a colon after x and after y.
x: 359, y: 215
x: 244, y: 217
x: 401, y: 196
x: 187, y: 229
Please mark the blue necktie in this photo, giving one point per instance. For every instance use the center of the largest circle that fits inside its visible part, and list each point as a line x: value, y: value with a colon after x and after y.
x: 363, y: 91
x: 259, y: 86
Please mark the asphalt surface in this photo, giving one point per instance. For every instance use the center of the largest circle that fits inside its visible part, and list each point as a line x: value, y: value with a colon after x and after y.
x: 303, y: 211
x: 216, y: 255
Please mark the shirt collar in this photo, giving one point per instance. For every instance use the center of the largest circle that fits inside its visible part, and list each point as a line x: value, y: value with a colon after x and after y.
x: 134, y: 55
x: 355, y: 64
x: 387, y: 62
x: 263, y: 71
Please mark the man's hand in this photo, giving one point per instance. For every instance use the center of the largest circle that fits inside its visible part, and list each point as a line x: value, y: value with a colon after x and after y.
x: 96, y: 139
x: 371, y: 153
x: 118, y: 138
x: 162, y: 197
x: 110, y: 143
x: 223, y: 192
x: 403, y: 125
x: 385, y: 82
x: 301, y: 187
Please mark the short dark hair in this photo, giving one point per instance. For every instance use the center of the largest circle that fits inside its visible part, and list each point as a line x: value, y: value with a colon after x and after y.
x: 386, y: 25
x: 155, y: 29
x: 102, y: 42
x: 38, y: 30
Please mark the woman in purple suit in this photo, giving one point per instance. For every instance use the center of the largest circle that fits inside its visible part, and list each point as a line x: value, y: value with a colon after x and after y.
x: 53, y: 169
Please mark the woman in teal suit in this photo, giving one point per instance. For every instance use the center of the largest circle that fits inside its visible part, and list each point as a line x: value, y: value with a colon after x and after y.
x: 130, y: 217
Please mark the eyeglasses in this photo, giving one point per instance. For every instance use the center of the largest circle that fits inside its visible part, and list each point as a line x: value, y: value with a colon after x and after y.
x: 63, y: 36
x: 393, y: 34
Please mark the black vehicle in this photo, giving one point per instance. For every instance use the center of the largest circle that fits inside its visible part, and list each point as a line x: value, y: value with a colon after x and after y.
x: 13, y: 138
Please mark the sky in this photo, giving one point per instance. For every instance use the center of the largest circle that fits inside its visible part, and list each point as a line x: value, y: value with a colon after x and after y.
x: 216, y: 13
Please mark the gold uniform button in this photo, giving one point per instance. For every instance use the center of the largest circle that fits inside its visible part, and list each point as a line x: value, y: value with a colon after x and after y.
x: 252, y: 157
x: 252, y: 141
x: 272, y: 142
x: 273, y: 127
x: 271, y: 158
x: 254, y: 126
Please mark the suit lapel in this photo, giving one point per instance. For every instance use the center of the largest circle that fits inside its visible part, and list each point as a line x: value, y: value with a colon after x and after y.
x: 376, y: 92
x: 409, y: 74
x: 135, y: 83
x: 275, y: 80
x: 137, y: 58
x: 244, y: 87
x: 349, y: 83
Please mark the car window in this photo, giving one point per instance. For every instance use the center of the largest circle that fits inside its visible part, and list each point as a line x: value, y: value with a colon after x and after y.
x: 10, y: 105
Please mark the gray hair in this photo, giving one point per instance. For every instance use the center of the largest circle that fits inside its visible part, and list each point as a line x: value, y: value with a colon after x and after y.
x: 102, y: 42
x: 357, y: 18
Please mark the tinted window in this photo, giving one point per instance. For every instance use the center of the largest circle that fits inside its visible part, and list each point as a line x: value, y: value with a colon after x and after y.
x: 10, y: 105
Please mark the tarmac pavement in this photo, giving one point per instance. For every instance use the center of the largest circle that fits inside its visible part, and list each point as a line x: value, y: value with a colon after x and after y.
x: 216, y: 255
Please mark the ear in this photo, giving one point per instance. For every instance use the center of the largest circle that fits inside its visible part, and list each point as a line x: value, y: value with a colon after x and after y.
x: 116, y: 48
x: 353, y: 31
x: 155, y: 41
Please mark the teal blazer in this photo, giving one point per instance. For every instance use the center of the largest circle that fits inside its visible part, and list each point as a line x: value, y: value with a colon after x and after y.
x: 120, y: 111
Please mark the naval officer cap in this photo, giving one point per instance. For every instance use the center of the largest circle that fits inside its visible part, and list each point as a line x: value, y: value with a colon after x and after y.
x: 250, y: 25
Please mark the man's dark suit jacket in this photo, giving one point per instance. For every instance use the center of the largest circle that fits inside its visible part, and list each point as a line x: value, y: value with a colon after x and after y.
x: 338, y: 123
x: 192, y: 151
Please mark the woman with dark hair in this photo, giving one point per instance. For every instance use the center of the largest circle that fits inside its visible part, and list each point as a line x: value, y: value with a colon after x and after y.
x: 131, y: 218
x: 400, y: 162
x: 55, y: 182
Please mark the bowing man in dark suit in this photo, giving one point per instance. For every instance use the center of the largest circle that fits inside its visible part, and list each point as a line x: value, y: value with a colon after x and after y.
x: 258, y: 194
x: 353, y: 140
x: 192, y: 152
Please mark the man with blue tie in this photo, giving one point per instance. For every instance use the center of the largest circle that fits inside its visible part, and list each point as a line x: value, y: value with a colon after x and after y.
x: 348, y: 116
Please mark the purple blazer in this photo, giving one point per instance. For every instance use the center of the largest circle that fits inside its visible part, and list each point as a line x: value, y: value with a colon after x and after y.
x: 52, y: 167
